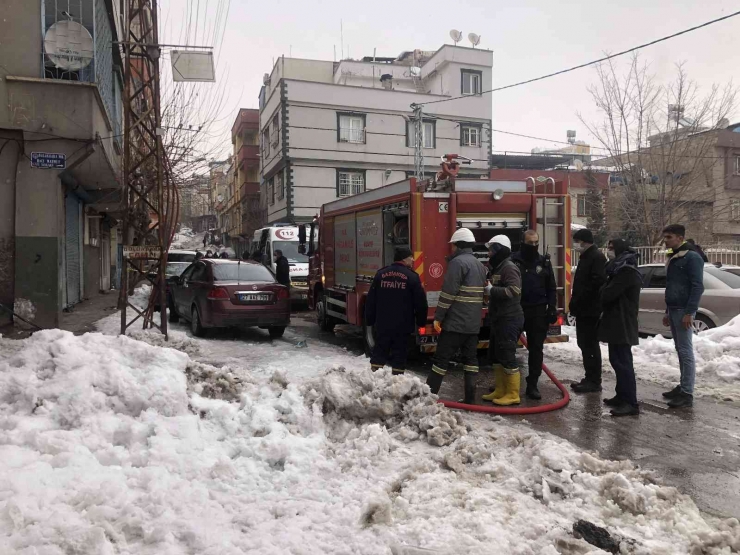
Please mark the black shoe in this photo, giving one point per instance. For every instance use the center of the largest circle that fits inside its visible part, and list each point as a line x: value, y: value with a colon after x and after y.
x: 434, y: 381
x: 673, y: 393
x: 533, y: 392
x: 587, y: 387
x: 613, y: 402
x: 625, y: 409
x: 470, y: 379
x: 574, y: 385
x: 682, y: 400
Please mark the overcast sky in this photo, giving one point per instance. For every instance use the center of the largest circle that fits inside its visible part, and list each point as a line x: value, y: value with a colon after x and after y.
x: 528, y: 37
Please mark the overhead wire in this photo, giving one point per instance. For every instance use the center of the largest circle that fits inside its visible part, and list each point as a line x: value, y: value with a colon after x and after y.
x: 587, y: 64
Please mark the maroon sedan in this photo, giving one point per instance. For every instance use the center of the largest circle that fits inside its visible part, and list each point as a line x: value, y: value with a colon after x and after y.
x: 215, y: 293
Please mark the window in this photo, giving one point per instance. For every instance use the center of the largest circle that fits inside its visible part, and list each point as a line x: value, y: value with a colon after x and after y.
x: 92, y: 231
x: 350, y: 183
x: 280, y: 186
x: 657, y: 278
x: 275, y: 135
x: 470, y: 135
x: 271, y: 191
x: 351, y: 128
x: 242, y: 272
x: 737, y: 165
x: 266, y: 142
x: 471, y: 81
x: 735, y: 210
x: 200, y: 273
x: 581, y: 205
x: 428, y: 133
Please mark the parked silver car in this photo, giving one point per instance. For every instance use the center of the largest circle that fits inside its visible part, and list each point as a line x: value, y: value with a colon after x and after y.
x: 719, y: 304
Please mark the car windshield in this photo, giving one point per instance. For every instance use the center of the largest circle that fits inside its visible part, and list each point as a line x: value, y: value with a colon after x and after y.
x: 175, y: 268
x: 180, y: 257
x: 290, y: 251
x: 242, y: 272
x: 730, y: 280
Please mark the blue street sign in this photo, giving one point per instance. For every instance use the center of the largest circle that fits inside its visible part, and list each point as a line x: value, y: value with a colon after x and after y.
x: 48, y: 160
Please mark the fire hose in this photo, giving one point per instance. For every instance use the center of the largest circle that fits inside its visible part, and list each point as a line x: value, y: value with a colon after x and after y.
x: 517, y: 410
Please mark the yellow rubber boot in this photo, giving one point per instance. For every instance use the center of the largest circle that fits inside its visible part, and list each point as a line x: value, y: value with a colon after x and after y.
x: 511, y: 384
x: 498, y: 384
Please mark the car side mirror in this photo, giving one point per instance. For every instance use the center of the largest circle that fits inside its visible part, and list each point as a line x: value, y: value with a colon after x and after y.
x: 302, y: 234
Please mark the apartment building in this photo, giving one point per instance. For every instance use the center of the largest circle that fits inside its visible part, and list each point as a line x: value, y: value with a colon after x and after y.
x: 335, y: 129
x: 245, y: 138
x: 60, y: 153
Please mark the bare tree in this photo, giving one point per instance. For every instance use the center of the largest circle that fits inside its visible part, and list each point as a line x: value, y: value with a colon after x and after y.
x: 659, y: 142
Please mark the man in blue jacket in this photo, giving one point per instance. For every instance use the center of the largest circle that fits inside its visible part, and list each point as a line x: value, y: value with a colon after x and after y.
x: 396, y: 305
x: 684, y: 288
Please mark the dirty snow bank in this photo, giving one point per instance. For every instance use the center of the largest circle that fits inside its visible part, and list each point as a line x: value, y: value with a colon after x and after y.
x: 112, y: 446
x: 717, y: 353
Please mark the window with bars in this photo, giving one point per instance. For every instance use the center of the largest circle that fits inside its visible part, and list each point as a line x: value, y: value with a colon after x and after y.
x: 428, y: 134
x: 735, y: 210
x: 737, y: 165
x: 471, y: 81
x: 275, y: 133
x: 280, y: 186
x: 266, y: 142
x: 351, y: 128
x: 350, y: 183
x: 470, y: 135
x: 271, y: 191
x: 581, y: 206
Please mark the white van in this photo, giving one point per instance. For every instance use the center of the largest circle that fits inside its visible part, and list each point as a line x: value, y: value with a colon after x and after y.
x: 283, y: 238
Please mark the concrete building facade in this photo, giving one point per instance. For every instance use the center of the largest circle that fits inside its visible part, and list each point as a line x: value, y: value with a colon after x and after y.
x: 60, y: 154
x: 334, y: 129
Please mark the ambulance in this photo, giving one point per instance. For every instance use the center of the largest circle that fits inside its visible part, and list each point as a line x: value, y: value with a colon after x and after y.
x: 282, y: 237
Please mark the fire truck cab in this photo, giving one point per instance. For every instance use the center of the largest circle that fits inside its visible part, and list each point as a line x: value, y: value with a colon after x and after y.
x: 357, y: 236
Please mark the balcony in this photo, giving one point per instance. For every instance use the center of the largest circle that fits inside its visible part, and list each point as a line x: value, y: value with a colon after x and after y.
x: 249, y: 188
x: 247, y: 119
x: 248, y: 156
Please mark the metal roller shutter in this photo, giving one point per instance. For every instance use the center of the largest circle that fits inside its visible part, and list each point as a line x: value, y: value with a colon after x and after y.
x: 72, y: 253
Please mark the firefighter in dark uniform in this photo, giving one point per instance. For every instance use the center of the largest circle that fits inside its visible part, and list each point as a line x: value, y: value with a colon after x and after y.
x: 396, y: 305
x: 507, y: 321
x: 538, y: 303
x: 458, y: 315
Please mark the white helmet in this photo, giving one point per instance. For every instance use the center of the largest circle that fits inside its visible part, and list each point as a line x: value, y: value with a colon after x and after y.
x: 463, y: 234
x: 501, y: 240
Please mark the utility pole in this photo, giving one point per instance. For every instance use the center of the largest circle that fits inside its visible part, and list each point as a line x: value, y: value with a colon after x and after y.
x: 418, y: 142
x: 150, y: 211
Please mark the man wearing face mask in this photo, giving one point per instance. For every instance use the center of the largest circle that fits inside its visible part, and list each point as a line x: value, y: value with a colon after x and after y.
x: 585, y: 305
x: 538, y: 303
x: 507, y: 321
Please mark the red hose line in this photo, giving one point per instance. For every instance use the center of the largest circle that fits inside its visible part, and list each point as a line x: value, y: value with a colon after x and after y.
x: 493, y: 409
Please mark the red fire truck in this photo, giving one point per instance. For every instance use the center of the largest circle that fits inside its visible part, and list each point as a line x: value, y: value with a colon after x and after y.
x: 357, y: 236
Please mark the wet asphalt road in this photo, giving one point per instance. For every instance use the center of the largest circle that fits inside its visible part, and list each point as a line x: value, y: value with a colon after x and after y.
x: 696, y: 450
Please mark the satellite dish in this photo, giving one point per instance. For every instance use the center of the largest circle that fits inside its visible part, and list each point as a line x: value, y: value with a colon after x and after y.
x: 579, y: 165
x: 69, y: 45
x: 220, y: 198
x: 456, y: 36
x: 415, y: 71
x: 474, y: 39
x: 266, y: 79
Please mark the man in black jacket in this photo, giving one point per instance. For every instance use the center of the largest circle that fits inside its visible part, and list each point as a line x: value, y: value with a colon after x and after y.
x: 282, y: 268
x: 620, y: 301
x: 396, y: 304
x: 539, y: 303
x: 585, y: 305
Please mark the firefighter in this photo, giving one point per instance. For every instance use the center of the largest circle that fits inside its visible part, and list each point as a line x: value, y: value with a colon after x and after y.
x: 538, y: 303
x: 458, y: 313
x: 507, y: 321
x: 396, y: 304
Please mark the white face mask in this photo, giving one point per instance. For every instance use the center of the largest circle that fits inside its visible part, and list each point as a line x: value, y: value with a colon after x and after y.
x: 610, y: 254
x: 578, y: 247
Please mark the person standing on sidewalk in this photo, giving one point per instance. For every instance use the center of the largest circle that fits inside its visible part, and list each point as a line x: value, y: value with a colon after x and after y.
x: 538, y: 303
x: 585, y: 305
x: 458, y: 315
x: 282, y: 268
x: 684, y: 288
x: 396, y: 305
x: 507, y: 321
x: 620, y: 301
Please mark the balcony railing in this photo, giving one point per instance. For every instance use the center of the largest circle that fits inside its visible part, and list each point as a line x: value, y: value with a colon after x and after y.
x: 248, y: 155
x: 249, y: 188
x: 351, y: 135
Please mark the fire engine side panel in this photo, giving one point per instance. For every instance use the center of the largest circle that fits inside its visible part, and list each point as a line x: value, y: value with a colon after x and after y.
x: 327, y: 256
x: 345, y: 250
x: 484, y: 203
x: 369, y: 242
x: 435, y: 232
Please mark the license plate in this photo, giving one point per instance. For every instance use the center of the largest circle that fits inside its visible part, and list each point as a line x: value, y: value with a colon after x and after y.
x: 554, y: 330
x: 254, y: 297
x: 426, y: 340
x: 304, y: 296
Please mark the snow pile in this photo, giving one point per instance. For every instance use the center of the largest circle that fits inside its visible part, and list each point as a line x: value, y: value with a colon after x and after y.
x: 109, y: 445
x: 401, y: 403
x: 717, y: 353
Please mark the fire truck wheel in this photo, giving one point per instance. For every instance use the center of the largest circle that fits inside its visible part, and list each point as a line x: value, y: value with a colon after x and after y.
x: 325, y: 321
